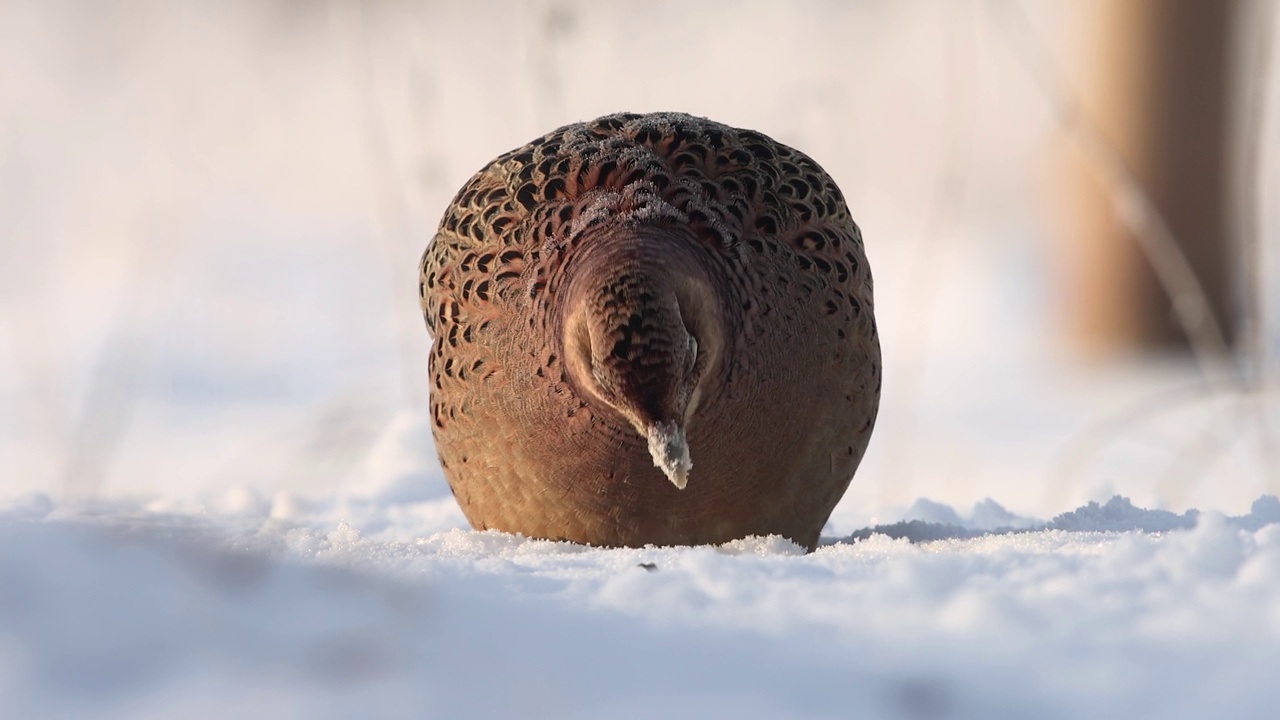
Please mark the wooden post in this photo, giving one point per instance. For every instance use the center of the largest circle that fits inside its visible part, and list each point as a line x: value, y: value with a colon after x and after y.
x: 1153, y: 75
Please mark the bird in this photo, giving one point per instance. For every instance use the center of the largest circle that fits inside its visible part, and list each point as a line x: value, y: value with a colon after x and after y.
x: 650, y: 330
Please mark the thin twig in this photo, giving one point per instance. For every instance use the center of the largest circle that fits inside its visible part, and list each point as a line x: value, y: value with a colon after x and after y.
x: 920, y: 290
x: 1194, y: 458
x: 1254, y: 199
x: 1083, y: 449
x: 550, y: 23
x: 392, y: 205
x: 105, y: 411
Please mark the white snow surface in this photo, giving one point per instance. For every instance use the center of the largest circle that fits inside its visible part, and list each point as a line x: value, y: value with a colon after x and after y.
x: 269, y: 610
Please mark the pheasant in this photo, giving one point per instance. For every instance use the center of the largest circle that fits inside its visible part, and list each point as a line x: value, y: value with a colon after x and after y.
x: 650, y: 329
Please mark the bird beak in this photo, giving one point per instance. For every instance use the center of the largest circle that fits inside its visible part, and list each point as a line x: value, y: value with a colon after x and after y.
x: 670, y: 451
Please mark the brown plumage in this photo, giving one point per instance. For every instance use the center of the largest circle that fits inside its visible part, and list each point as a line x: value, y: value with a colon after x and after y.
x: 642, y: 295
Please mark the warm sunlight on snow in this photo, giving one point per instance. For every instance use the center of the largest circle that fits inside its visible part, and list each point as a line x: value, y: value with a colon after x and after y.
x: 218, y: 492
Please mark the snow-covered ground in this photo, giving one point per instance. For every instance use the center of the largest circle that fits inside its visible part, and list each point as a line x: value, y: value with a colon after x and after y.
x: 218, y: 494
x: 124, y: 612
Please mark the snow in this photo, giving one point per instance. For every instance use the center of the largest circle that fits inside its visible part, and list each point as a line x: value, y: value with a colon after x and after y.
x: 120, y: 612
x: 218, y: 493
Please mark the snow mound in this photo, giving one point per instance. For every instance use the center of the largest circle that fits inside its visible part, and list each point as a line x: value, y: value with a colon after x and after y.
x: 927, y: 520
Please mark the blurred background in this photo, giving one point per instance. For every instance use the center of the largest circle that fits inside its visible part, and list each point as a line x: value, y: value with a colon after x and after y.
x: 211, y: 215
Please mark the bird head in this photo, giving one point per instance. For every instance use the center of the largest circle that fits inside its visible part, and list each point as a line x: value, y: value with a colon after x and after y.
x: 643, y: 335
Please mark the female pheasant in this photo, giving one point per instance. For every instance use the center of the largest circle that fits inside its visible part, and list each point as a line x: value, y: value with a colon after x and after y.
x: 642, y: 296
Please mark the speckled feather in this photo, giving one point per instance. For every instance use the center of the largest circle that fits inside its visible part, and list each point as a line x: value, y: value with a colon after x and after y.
x: 798, y: 386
